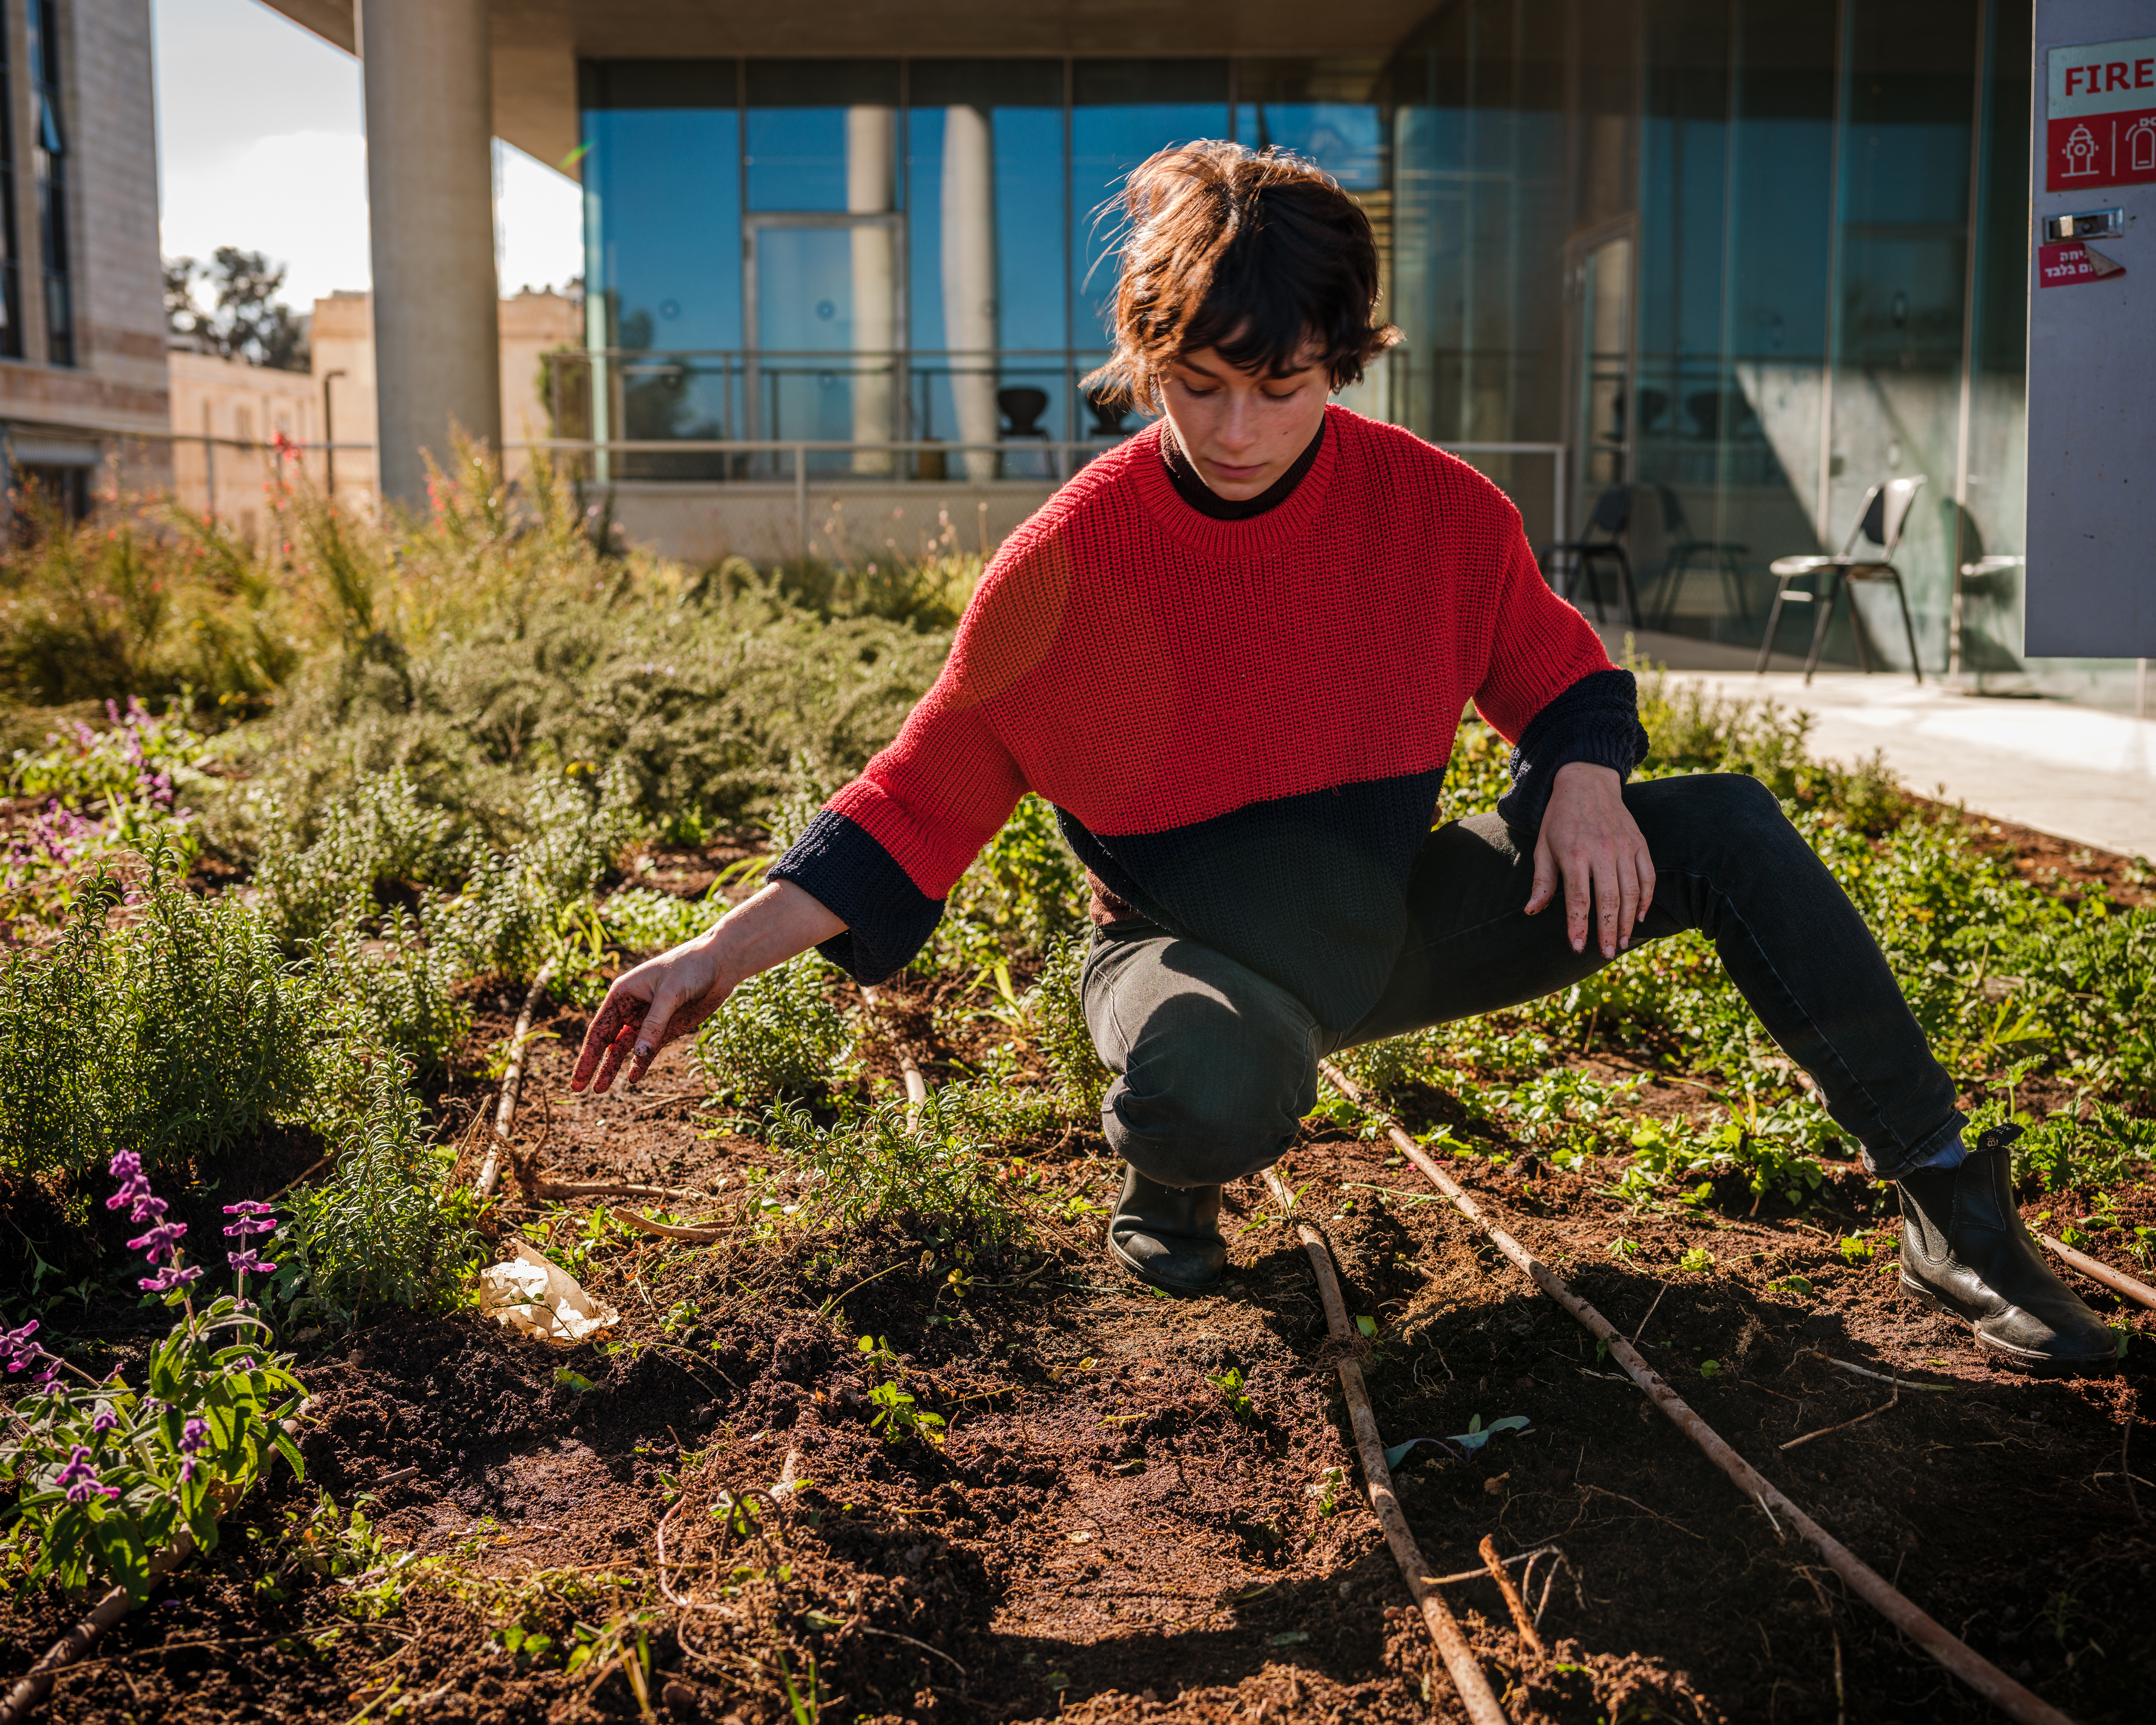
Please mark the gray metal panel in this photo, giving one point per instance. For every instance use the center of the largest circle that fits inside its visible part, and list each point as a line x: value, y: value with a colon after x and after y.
x: 2091, y: 587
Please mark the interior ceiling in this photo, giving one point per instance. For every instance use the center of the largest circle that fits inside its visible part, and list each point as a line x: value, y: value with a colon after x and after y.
x: 537, y: 43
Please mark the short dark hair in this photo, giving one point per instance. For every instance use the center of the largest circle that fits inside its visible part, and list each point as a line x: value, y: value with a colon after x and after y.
x: 1257, y: 254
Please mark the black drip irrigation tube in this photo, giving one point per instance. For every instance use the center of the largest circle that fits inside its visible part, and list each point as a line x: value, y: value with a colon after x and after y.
x: 1949, y: 1649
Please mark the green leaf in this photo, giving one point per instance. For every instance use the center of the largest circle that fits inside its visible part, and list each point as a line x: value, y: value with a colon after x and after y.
x: 1367, y: 1326
x: 572, y: 1380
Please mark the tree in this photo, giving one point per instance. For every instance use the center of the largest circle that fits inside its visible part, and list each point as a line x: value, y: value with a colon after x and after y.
x: 247, y: 319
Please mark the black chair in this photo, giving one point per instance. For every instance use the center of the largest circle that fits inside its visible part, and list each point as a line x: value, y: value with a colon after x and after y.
x: 1885, y: 514
x: 1685, y: 547
x: 1022, y: 408
x: 1109, y: 413
x: 1603, y: 541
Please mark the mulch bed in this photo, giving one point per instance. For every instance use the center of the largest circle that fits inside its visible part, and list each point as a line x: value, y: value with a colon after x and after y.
x: 1104, y: 1535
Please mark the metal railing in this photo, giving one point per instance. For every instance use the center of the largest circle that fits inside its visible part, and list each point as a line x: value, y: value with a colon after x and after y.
x: 790, y: 460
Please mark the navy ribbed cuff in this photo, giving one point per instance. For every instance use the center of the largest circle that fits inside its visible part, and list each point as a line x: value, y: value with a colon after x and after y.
x: 888, y: 918
x: 1596, y: 720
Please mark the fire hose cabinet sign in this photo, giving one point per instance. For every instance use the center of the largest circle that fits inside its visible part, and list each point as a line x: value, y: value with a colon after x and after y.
x: 2100, y: 122
x: 2089, y: 590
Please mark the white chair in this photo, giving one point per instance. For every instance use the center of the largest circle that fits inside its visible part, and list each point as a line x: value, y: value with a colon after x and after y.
x: 1884, y: 513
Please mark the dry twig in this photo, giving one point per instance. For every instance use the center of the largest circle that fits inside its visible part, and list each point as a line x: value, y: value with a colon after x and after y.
x: 512, y: 1080
x: 1513, y: 1603
x: 2117, y: 1280
x: 1825, y: 1430
x: 1467, y: 1677
x: 2011, y: 1698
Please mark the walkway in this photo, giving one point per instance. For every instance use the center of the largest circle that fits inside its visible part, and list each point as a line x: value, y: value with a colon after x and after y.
x: 2080, y: 772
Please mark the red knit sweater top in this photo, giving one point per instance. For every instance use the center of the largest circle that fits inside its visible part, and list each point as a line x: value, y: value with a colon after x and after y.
x: 1243, y: 726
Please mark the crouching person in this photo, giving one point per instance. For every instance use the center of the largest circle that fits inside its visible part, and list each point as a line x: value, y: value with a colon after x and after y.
x: 1233, y: 653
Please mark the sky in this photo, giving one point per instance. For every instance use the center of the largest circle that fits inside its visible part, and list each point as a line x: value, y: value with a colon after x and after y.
x: 260, y: 145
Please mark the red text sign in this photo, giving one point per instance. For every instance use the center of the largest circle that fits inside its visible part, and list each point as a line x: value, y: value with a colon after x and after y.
x: 2068, y: 264
x: 2100, y: 122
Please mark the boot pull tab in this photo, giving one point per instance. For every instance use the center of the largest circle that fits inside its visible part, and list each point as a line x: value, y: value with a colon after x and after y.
x: 1998, y: 1137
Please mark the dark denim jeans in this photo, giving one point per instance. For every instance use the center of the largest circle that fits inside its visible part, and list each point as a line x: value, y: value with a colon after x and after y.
x: 1217, y: 1066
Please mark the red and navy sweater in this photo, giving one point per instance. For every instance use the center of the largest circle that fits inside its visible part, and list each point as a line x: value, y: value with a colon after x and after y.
x: 1243, y: 725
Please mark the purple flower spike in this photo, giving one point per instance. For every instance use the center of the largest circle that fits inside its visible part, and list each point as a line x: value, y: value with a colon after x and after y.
x: 107, y: 1420
x: 170, y: 1277
x: 254, y: 1218
x: 247, y: 1262
x: 194, y: 1437
x: 79, y: 1479
x: 16, y: 1349
x: 156, y: 1245
x: 126, y: 1165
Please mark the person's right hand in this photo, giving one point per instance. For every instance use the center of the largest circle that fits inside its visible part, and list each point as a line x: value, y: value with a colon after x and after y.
x: 647, y: 1006
x: 670, y: 996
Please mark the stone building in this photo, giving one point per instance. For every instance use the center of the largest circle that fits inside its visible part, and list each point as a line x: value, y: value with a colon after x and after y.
x: 82, y: 325
x: 227, y: 414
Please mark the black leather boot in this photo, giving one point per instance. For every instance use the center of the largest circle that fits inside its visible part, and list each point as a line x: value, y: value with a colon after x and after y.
x: 1964, y: 1252
x: 1169, y: 1236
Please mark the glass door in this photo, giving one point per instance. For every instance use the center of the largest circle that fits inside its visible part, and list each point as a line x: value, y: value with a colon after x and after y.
x: 824, y: 298
x: 1600, y: 284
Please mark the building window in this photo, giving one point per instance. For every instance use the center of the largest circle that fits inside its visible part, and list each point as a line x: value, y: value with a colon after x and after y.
x: 11, y: 290
x: 48, y: 161
x: 858, y: 252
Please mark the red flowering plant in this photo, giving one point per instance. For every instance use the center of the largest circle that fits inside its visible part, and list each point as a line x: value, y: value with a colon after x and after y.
x: 108, y: 1476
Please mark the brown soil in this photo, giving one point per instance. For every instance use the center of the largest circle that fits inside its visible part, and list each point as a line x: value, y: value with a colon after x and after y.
x: 1104, y: 1533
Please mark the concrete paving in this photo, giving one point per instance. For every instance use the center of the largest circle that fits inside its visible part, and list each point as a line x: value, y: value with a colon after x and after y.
x: 2080, y: 772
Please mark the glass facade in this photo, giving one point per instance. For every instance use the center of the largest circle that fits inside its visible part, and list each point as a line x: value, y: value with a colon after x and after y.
x: 895, y: 252
x: 1750, y: 257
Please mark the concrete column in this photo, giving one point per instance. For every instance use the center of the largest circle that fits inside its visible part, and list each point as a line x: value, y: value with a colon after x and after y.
x: 430, y: 188
x: 969, y: 280
x: 871, y: 145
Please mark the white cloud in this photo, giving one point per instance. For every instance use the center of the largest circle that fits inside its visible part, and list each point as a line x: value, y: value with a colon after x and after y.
x: 299, y: 197
x: 283, y: 170
x: 538, y: 221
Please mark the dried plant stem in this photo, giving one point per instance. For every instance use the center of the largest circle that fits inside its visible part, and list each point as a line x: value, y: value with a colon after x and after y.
x: 2117, y: 1280
x: 1513, y: 1603
x: 1467, y: 1676
x: 1950, y: 1650
x: 543, y: 1188
x: 1825, y: 1430
x: 695, y: 1236
x: 512, y: 1080
x: 916, y: 1087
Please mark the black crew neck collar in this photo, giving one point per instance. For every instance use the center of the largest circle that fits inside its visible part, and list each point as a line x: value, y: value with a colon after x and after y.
x: 1202, y: 497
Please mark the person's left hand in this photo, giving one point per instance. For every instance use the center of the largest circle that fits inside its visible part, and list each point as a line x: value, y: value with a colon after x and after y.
x: 1590, y: 838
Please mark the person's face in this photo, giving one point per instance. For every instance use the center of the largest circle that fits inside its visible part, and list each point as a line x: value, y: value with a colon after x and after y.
x: 1242, y: 431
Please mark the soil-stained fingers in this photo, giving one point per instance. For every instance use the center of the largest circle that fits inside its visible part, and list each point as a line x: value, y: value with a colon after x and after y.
x: 607, y: 1042
x: 659, y: 1000
x: 1578, y: 895
x: 1545, y: 876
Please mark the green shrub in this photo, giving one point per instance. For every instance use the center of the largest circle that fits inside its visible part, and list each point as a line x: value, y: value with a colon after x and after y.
x: 517, y: 908
x: 402, y: 987
x: 2092, y: 980
x: 154, y: 606
x: 642, y: 922
x: 778, y: 1034
x: 379, y: 1227
x: 1024, y: 892
x: 319, y: 865
x: 1057, y: 1012
x: 177, y: 1032
x: 939, y: 1175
